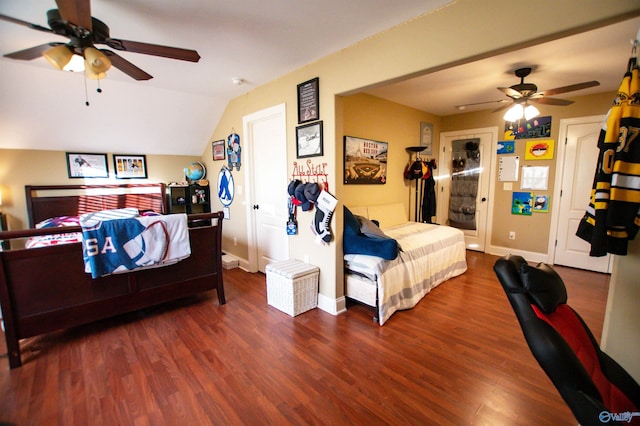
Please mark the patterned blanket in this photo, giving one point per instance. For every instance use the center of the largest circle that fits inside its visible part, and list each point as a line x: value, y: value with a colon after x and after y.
x: 114, y: 241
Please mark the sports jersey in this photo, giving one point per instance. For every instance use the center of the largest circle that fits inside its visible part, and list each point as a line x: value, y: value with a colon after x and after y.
x: 613, y: 216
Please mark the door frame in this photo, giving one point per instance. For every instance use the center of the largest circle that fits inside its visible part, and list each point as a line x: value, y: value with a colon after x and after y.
x: 247, y: 123
x: 557, y: 186
x: 441, y: 212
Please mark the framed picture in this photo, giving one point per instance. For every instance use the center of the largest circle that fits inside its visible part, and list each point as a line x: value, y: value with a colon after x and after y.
x: 218, y: 149
x: 130, y: 166
x: 309, y: 101
x: 522, y: 203
x: 540, y: 203
x: 426, y: 137
x: 365, y: 161
x: 309, y: 140
x: 80, y: 165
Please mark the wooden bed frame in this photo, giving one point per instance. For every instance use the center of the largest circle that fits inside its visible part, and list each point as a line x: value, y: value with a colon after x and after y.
x: 46, y: 289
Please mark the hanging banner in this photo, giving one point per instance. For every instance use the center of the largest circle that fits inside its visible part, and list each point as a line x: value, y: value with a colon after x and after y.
x: 226, y: 187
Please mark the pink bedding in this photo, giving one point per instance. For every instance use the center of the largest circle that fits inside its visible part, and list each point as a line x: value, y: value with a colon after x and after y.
x: 56, y: 239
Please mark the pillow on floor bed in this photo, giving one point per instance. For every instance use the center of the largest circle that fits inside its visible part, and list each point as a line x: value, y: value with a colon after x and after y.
x: 372, y: 242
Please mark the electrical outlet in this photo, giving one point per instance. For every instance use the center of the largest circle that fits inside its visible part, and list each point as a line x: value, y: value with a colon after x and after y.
x: 512, y: 235
x: 235, y: 241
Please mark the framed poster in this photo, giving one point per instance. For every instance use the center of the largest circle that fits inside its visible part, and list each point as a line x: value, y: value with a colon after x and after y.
x: 539, y: 127
x: 426, y: 137
x: 506, y: 147
x: 365, y: 161
x: 218, y: 148
x: 309, y: 101
x: 309, y: 140
x: 522, y: 203
x: 541, y: 203
x: 130, y: 166
x: 81, y: 165
x: 539, y: 150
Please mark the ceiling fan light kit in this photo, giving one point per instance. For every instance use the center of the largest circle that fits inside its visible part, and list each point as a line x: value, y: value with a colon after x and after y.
x: 96, y: 61
x: 58, y: 56
x: 518, y: 112
x: 76, y: 64
x: 531, y: 112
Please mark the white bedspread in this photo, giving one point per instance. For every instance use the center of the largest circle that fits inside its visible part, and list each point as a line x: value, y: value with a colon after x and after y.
x: 431, y: 254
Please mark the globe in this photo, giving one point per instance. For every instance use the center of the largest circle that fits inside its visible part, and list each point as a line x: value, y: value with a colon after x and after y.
x: 195, y: 171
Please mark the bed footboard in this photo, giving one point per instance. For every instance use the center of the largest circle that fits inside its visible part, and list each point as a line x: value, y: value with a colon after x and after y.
x: 46, y: 289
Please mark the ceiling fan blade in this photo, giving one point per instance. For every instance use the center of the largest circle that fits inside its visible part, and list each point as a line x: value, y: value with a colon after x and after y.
x: 510, y: 92
x: 32, y: 52
x: 154, y: 49
x: 126, y: 66
x: 77, y: 12
x: 570, y: 88
x: 24, y: 23
x: 552, y: 101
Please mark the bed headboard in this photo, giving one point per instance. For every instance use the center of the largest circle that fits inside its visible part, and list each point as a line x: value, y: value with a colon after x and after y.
x: 46, y: 201
x: 388, y: 215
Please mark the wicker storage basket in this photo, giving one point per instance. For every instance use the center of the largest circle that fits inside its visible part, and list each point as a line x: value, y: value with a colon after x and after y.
x: 292, y: 286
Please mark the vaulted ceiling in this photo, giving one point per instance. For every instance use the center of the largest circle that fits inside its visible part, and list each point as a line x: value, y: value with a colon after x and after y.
x: 177, y: 111
x: 253, y: 40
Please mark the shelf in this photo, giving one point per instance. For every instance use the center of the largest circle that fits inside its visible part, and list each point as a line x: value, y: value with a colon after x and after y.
x: 187, y: 193
x: 416, y: 148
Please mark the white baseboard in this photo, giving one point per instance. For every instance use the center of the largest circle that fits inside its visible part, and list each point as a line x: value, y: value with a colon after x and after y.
x: 530, y: 256
x: 332, y: 306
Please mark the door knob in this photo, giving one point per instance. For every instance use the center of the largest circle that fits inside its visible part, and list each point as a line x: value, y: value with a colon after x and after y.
x: 484, y: 199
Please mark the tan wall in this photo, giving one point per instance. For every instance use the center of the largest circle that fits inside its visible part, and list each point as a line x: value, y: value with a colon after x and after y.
x: 462, y: 31
x: 532, y: 231
x: 374, y: 118
x: 369, y: 117
x: 34, y: 167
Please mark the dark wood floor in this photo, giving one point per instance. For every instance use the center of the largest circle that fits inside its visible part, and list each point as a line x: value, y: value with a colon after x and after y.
x: 457, y: 358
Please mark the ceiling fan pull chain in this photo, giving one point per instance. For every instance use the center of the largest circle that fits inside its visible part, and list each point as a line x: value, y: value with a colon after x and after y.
x: 86, y: 93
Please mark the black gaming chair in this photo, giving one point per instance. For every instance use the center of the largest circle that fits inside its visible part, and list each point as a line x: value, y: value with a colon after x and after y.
x: 596, y: 388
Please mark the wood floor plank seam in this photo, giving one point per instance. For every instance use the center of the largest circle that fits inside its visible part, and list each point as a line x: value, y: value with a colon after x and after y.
x: 458, y: 357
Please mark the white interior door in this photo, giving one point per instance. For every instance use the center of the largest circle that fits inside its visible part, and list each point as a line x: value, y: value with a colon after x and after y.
x: 579, y: 166
x: 476, y: 163
x: 267, y: 214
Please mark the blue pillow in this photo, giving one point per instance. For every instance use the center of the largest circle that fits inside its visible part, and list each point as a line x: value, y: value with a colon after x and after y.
x: 355, y: 242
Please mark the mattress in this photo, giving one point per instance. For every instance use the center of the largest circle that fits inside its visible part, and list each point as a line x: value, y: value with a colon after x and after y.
x: 430, y: 255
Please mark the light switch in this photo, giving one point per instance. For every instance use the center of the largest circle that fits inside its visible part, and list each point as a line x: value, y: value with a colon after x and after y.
x: 507, y: 186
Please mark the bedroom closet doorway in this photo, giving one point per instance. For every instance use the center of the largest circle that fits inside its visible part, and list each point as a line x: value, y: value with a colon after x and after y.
x: 464, y: 171
x: 573, y: 193
x: 265, y: 137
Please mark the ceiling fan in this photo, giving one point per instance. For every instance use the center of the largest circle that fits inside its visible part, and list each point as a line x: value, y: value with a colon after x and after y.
x: 523, y: 93
x: 73, y: 20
